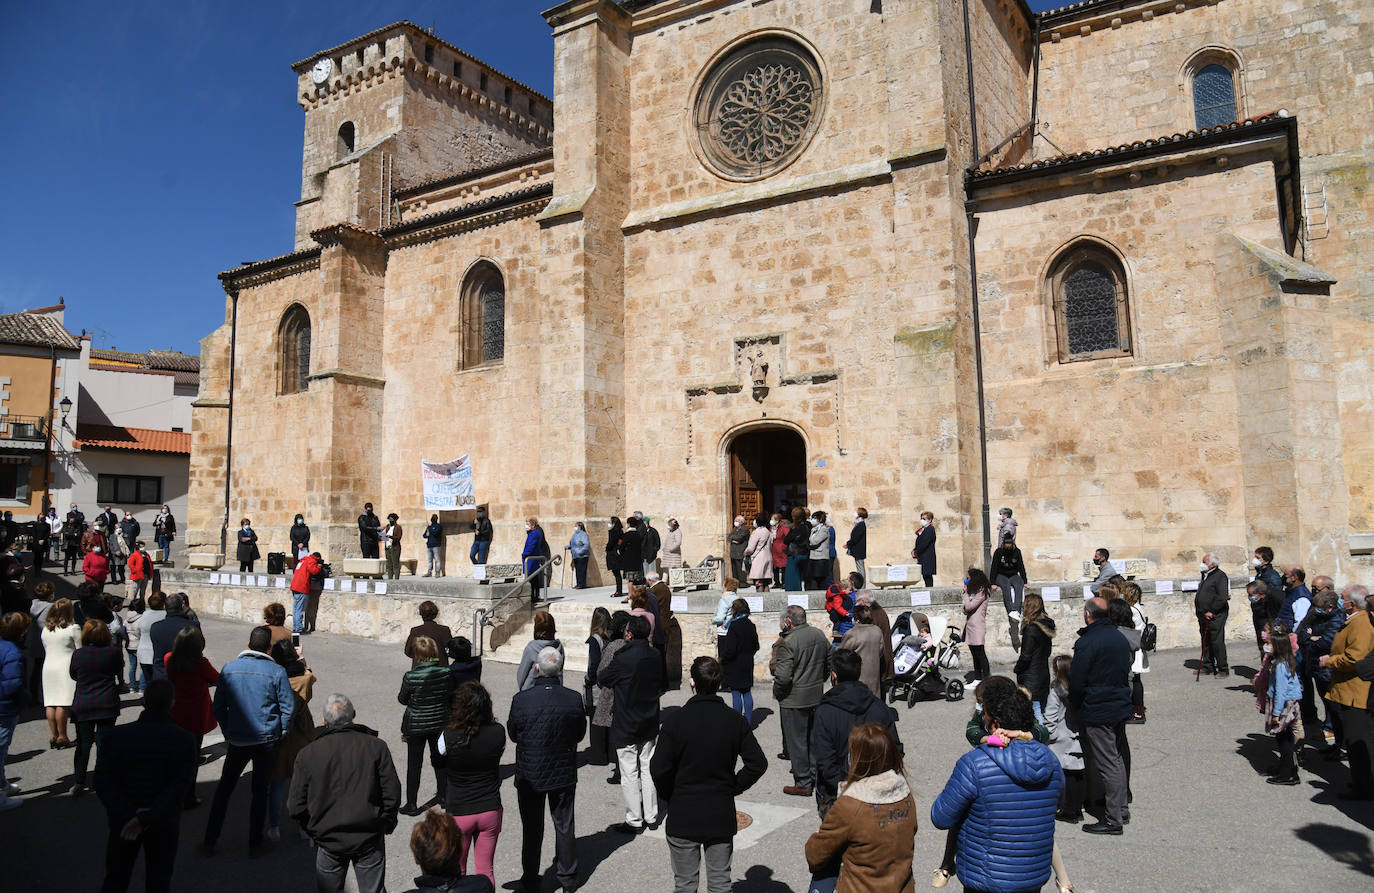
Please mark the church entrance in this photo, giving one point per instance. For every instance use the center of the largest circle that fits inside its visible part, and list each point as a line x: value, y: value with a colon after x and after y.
x: 767, y: 472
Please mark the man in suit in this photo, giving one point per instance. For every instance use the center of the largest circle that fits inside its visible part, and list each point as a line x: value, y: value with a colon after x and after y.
x: 693, y: 769
x: 1212, y: 605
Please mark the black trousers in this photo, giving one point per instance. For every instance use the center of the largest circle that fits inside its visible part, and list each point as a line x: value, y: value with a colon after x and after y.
x: 236, y: 759
x: 928, y: 580
x: 415, y: 763
x: 1072, y: 794
x: 159, y: 845
x: 71, y: 559
x: 1213, y: 635
x: 531, y: 803
x: 245, y: 567
x: 979, y: 655
x: 369, y: 547
x: 1359, y: 742
x: 599, y: 747
x: 1137, y: 693
x: 619, y: 581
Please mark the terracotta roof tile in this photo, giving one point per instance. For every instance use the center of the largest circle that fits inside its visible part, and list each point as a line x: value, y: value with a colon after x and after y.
x: 144, y: 440
x: 38, y: 331
x: 161, y: 360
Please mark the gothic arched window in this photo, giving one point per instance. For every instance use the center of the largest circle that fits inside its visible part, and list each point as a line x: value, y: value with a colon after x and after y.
x: 293, y: 350
x: 347, y: 138
x: 483, y: 309
x: 1214, y: 96
x: 1091, y: 313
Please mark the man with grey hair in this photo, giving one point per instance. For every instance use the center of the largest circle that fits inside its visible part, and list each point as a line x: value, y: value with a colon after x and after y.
x: 1212, y: 606
x: 1349, y: 693
x: 1354, y: 598
x: 1100, y: 689
x: 164, y: 633
x: 800, y: 670
x: 346, y: 795
x: 547, y: 723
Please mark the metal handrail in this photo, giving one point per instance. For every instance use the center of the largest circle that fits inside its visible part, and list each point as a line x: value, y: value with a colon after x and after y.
x: 23, y: 427
x: 482, y: 617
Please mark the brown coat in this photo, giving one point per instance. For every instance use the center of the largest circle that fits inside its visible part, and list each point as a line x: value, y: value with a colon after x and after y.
x: 1354, y: 641
x: 872, y: 830
x: 302, y: 730
x: 867, y: 641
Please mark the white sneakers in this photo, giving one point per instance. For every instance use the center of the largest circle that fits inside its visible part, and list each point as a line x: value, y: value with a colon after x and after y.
x: 1014, y: 615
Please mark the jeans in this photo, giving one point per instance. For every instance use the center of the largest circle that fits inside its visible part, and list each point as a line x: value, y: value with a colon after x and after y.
x: 393, y: 563
x: 436, y: 561
x: 531, y: 803
x: 236, y: 758
x: 478, y: 553
x: 686, y: 856
x: 88, y: 733
x: 369, y: 868
x: 159, y: 845
x: 6, y: 736
x: 1100, y: 744
x: 276, y: 795
x: 164, y: 543
x: 580, y: 571
x: 483, y: 828
x: 298, y: 600
x: 743, y: 702
x: 796, y: 737
x: 134, y: 668
x: 641, y: 796
x: 1213, y: 635
x: 415, y: 757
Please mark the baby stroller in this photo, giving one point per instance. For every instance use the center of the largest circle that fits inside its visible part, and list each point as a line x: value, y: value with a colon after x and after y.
x: 916, y: 670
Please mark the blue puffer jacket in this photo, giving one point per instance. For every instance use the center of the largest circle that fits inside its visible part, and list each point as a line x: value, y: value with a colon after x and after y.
x: 11, y: 678
x: 1003, y: 800
x: 253, y: 700
x: 546, y: 723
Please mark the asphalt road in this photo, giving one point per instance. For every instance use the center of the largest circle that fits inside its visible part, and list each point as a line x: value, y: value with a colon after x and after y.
x: 1203, y: 819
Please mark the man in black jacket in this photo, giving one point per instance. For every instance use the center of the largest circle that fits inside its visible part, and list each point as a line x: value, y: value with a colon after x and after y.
x: 346, y: 795
x: 164, y: 632
x: 651, y: 544
x: 481, y: 538
x: 1100, y: 688
x: 143, y: 771
x: 847, y: 704
x: 547, y: 723
x: 1212, y: 605
x: 369, y: 531
x: 857, y: 544
x: 694, y: 771
x: 635, y: 677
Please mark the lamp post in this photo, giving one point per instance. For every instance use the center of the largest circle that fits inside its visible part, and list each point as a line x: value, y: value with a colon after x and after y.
x: 65, y: 404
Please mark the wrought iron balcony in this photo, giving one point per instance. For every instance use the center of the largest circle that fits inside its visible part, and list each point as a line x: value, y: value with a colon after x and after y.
x: 23, y: 427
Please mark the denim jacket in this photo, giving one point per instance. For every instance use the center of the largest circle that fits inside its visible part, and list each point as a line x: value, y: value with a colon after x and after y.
x: 253, y: 701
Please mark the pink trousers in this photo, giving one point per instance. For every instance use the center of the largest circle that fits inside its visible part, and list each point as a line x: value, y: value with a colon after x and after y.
x: 485, y: 827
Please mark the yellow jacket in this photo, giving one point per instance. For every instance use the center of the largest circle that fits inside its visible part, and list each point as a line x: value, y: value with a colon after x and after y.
x: 1353, y: 642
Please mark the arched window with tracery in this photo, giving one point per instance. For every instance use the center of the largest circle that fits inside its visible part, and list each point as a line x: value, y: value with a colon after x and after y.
x: 484, y: 316
x: 293, y: 350
x: 1091, y: 308
x: 1214, y: 96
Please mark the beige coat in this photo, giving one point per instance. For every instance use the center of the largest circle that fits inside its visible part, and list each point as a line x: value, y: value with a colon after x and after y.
x: 1352, y: 642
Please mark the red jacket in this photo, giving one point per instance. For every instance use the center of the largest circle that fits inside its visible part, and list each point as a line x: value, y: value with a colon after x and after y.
x: 191, y: 706
x: 306, y: 568
x: 96, y: 566
x: 140, y: 566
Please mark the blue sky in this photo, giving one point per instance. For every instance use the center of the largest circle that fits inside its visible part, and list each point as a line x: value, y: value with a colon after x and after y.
x: 151, y: 145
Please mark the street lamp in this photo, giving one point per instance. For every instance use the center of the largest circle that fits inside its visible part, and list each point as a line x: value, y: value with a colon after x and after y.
x: 65, y: 404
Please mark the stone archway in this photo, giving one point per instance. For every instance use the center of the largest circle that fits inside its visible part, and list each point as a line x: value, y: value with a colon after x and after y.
x: 767, y: 471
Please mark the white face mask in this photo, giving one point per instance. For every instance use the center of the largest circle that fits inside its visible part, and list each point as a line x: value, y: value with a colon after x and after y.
x: 300, y: 520
x: 1257, y: 562
x: 528, y: 527
x: 245, y: 527
x: 924, y: 522
x: 1202, y: 568
x: 98, y: 550
x: 773, y: 523
x: 1268, y: 649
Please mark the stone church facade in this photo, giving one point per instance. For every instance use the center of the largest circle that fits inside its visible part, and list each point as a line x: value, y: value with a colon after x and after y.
x: 741, y: 269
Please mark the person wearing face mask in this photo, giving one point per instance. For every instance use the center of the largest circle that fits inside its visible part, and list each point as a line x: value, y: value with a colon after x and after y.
x: 924, y: 549
x: 1105, y: 569
x: 391, y: 538
x: 1100, y: 690
x: 1349, y: 692
x: 532, y: 556
x: 130, y: 530
x: 1315, y: 636
x: 779, y: 528
x: 1297, y: 598
x: 96, y: 567
x: 614, y: 532
x: 739, y: 541
x: 117, y: 550
x: 671, y: 556
x: 247, y: 547
x: 856, y: 546
x: 1006, y: 526
x: 1212, y: 606
x: 300, y: 539
x: 165, y: 530
x: 369, y: 531
x: 481, y: 537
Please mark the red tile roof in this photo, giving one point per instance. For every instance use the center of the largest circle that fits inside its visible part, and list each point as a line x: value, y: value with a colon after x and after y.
x: 144, y: 440
x: 35, y: 331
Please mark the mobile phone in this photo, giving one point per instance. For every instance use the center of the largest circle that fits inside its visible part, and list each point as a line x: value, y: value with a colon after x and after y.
x: 296, y: 642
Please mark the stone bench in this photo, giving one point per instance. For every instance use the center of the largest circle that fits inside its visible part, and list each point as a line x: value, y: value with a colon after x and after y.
x: 903, y: 575
x: 702, y: 577
x: 1129, y: 568
x: 497, y: 573
x: 211, y: 561
x: 364, y: 567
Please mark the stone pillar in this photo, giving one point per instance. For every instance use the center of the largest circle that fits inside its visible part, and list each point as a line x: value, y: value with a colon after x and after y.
x: 1276, y: 328
x: 200, y: 529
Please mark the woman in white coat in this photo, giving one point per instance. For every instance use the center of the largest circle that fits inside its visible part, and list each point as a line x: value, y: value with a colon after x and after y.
x: 61, y: 637
x: 758, y: 554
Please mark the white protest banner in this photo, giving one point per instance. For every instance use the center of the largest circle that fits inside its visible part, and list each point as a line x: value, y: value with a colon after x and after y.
x: 677, y: 603
x: 447, y: 485
x: 281, y: 582
x: 381, y: 589
x: 345, y: 585
x: 214, y: 578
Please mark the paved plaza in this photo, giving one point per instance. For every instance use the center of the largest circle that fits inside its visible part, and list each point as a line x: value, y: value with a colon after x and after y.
x: 1203, y: 819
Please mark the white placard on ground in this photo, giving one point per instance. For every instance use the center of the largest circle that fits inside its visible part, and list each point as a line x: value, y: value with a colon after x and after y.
x: 897, y: 573
x: 920, y: 598
x: 214, y: 578
x: 381, y: 589
x: 1164, y: 587
x: 345, y: 585
x: 677, y: 603
x: 1050, y: 593
x: 799, y: 599
x: 755, y: 603
x: 234, y: 580
x: 281, y: 583
x: 1190, y: 585
x: 479, y: 572
x: 328, y: 582
x: 360, y: 586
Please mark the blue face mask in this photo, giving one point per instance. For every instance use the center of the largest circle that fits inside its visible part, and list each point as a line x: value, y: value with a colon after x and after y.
x: 966, y: 581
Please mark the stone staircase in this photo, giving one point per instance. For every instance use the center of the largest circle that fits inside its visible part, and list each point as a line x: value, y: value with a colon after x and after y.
x: 572, y: 615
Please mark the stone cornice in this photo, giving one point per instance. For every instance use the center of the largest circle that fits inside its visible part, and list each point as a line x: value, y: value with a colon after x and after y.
x: 349, y: 235
x: 1082, y: 19
x: 263, y: 271
x: 344, y: 377
x: 479, y: 215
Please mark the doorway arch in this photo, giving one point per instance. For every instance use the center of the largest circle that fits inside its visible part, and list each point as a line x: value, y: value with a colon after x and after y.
x: 767, y: 470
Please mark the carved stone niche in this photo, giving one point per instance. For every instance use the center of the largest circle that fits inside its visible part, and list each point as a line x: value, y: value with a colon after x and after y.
x: 694, y: 577
x: 759, y: 362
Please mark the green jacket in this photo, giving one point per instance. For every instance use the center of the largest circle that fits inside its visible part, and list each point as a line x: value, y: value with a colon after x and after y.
x: 426, y: 691
x: 975, y: 730
x: 802, y: 667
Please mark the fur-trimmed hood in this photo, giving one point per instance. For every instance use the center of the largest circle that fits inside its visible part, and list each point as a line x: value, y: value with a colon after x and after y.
x: 889, y: 787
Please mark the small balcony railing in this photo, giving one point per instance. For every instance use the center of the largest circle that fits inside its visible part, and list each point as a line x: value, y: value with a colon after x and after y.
x: 23, y: 427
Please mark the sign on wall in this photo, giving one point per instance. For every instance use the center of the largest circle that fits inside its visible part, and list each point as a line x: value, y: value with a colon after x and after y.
x: 448, y: 485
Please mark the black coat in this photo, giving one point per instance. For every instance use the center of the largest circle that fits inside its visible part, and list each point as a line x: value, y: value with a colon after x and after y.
x: 300, y: 536
x: 737, y: 649
x: 1033, y: 665
x: 925, y: 549
x: 469, y: 670
x: 369, y: 528
x: 613, y: 537
x: 845, y: 706
x: 164, y: 636
x: 858, y: 541
x: 1007, y: 562
x: 1213, y: 593
x: 632, y: 549
x: 247, y: 545
x: 344, y: 789
x: 693, y: 767
x: 798, y: 539
x: 1100, y: 675
x: 546, y: 723
x: 462, y: 883
x: 144, y: 768
x: 635, y: 676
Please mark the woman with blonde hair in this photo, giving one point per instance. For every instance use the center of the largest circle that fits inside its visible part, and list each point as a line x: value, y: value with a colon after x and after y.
x: 61, y: 637
x: 869, y: 834
x: 426, y: 689
x: 1037, y: 638
x: 95, y: 702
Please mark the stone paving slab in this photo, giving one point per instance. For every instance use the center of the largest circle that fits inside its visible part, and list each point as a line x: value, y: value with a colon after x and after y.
x: 1203, y: 818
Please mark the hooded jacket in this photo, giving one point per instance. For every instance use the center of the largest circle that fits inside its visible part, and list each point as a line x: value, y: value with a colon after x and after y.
x: 345, y: 792
x: 846, y: 705
x: 871, y: 830
x: 1003, y: 800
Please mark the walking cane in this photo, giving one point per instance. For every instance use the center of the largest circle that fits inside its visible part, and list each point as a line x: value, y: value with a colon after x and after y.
x: 1202, y: 657
x: 563, y: 576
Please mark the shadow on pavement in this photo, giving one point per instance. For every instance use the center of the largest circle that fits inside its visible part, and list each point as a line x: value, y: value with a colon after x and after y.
x: 1259, y: 750
x: 1343, y: 845
x: 759, y: 879
x: 595, y: 848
